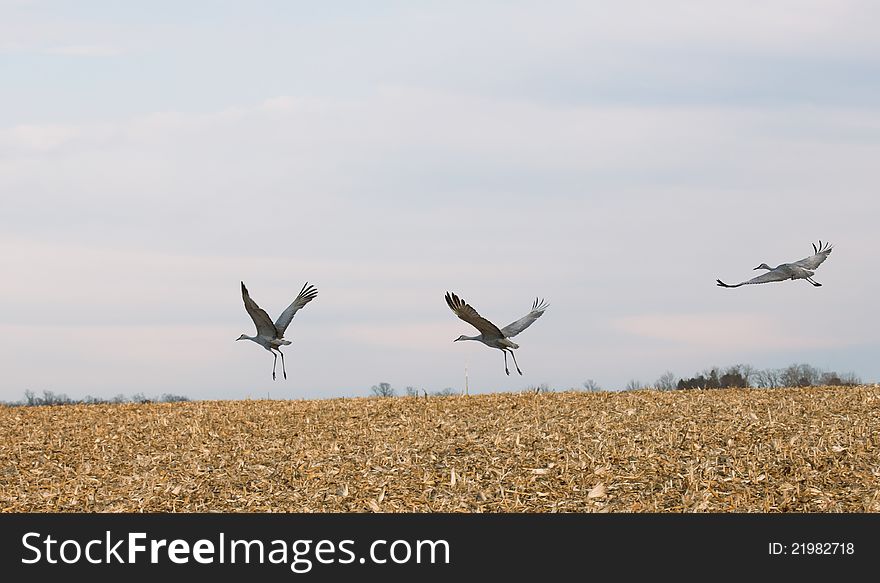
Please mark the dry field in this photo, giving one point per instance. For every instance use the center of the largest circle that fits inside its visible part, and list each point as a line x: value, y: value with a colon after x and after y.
x: 781, y: 450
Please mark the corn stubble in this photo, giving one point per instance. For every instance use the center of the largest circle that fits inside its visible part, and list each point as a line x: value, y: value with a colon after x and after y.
x: 780, y: 450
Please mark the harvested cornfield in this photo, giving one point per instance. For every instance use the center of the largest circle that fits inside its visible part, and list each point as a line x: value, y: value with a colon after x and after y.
x: 779, y: 450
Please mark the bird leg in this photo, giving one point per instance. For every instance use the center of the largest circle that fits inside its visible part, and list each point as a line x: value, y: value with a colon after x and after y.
x: 815, y: 283
x: 514, y: 362
x: 505, y: 362
x: 273, y: 364
x: 282, y: 364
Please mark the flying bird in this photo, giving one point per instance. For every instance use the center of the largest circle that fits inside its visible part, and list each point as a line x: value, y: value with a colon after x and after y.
x: 803, y: 269
x: 271, y: 336
x: 490, y: 335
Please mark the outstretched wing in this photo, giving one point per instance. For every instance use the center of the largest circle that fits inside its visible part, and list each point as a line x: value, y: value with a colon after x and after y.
x: 515, y: 328
x: 813, y: 261
x: 470, y: 315
x: 765, y: 278
x: 264, y: 324
x: 306, y: 294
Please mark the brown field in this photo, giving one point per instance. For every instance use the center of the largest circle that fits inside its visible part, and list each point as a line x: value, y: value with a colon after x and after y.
x: 779, y: 450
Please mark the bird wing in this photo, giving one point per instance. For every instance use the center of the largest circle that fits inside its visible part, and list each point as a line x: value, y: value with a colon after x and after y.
x: 470, y: 315
x: 774, y: 275
x: 306, y: 294
x: 264, y: 324
x: 813, y: 261
x: 515, y: 328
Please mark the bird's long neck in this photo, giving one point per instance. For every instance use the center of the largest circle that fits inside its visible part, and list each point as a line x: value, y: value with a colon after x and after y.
x: 478, y: 338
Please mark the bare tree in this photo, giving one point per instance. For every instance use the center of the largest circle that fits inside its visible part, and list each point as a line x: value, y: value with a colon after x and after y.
x: 666, y: 382
x: 747, y: 372
x: 412, y: 392
x: 800, y: 375
x: 633, y: 385
x: 830, y: 379
x: 712, y: 380
x: 382, y: 390
x: 850, y: 379
x: 592, y: 386
x: 50, y: 398
x: 833, y: 379
x: 768, y: 378
x: 172, y: 398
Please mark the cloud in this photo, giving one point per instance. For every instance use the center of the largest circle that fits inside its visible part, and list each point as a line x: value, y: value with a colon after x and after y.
x: 726, y: 332
x: 37, y: 138
x: 84, y: 51
x: 419, y: 336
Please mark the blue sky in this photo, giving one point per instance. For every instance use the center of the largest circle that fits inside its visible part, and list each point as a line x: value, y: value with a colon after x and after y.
x: 614, y: 159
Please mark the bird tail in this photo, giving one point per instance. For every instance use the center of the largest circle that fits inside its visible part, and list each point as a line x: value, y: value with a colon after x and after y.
x: 283, y: 342
x: 510, y: 343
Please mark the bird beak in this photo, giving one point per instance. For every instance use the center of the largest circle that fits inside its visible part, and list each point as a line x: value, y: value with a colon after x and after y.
x: 456, y: 340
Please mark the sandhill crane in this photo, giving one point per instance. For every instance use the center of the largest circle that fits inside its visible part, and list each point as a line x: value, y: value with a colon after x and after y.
x: 490, y: 335
x: 802, y: 269
x: 271, y: 336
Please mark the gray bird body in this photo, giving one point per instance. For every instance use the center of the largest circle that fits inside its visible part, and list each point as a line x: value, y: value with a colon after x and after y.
x: 802, y: 269
x: 270, y: 335
x: 490, y: 334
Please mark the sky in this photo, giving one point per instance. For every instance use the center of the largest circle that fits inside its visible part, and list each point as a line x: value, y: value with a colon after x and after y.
x: 611, y: 158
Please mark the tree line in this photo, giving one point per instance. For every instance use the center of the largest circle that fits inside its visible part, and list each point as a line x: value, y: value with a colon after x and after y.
x: 735, y: 376
x: 31, y: 399
x: 730, y: 377
x: 746, y: 376
x: 386, y: 390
